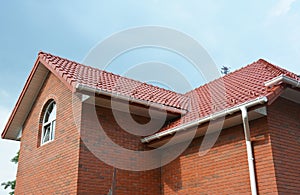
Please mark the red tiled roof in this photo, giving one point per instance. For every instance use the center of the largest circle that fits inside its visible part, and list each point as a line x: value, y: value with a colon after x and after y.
x: 74, y: 73
x: 241, y: 86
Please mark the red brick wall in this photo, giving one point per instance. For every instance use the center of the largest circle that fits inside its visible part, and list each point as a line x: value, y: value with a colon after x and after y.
x: 95, y: 177
x: 284, y: 123
x: 67, y: 166
x: 224, y: 169
x: 53, y: 167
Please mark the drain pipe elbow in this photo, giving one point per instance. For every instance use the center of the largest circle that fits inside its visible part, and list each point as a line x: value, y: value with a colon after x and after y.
x: 245, y: 123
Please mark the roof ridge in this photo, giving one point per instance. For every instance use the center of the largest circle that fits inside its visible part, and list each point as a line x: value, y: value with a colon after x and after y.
x: 282, y: 70
x: 63, y: 58
x: 99, y: 70
x: 222, y: 77
x: 108, y: 72
x: 259, y: 61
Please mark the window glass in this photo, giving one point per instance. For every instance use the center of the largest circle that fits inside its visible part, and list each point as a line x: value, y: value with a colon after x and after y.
x: 49, y: 121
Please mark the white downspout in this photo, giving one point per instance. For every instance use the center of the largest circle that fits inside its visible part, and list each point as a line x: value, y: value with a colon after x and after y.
x: 249, y: 150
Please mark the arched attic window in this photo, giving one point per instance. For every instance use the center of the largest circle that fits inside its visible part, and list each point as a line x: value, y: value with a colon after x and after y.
x: 48, y: 126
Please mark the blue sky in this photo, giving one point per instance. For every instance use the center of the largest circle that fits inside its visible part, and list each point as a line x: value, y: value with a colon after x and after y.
x: 234, y: 33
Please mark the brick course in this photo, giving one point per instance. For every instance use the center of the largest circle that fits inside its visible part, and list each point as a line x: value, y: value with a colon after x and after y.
x: 284, y: 124
x: 224, y: 169
x: 95, y: 177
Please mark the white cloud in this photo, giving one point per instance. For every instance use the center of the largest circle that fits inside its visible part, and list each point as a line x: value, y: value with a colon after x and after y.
x: 282, y: 7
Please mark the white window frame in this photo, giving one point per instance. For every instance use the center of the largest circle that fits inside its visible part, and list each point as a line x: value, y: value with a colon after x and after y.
x: 48, y: 128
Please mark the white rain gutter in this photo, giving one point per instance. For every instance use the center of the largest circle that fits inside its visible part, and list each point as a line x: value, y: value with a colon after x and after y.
x: 260, y: 100
x: 284, y: 79
x: 249, y: 150
x: 83, y: 87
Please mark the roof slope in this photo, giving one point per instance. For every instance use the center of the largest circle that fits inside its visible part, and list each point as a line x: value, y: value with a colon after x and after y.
x: 75, y: 73
x: 238, y: 87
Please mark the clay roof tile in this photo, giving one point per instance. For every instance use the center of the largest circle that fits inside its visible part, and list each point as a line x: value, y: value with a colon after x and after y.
x: 75, y: 72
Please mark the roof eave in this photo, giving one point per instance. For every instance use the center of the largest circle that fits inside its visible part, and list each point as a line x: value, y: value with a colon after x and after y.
x: 282, y: 79
x: 82, y: 87
x: 9, y: 133
x: 223, y: 113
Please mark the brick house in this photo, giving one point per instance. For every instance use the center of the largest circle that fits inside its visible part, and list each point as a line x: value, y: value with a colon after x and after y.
x: 56, y: 117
